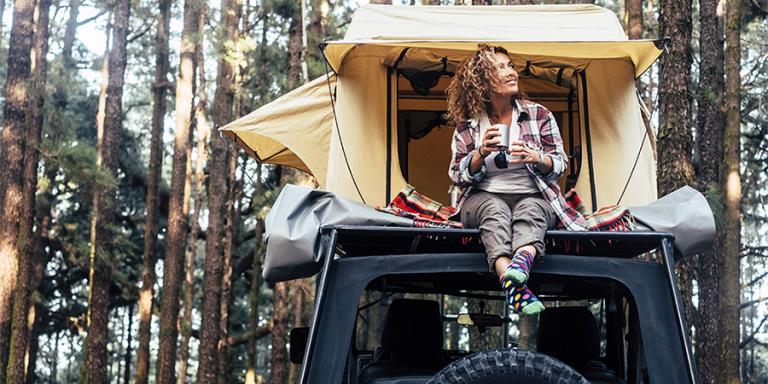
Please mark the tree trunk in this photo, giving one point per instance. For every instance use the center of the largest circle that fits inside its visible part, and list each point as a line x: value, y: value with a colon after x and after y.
x: 709, y: 337
x: 634, y: 9
x: 675, y: 138
x: 159, y: 90
x: 197, y: 192
x: 173, y: 267
x: 230, y: 229
x: 70, y: 33
x: 258, y: 257
x: 21, y: 328
x: 279, y: 363
x: 222, y: 114
x: 127, y: 356
x: 104, y: 205
x: 318, y: 25
x: 12, y: 149
x: 34, y: 345
x: 731, y: 181
x: 295, y: 48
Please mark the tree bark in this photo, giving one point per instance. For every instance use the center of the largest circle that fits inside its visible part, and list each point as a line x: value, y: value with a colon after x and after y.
x: 318, y: 24
x: 675, y: 164
x: 173, y: 267
x: 634, y: 16
x: 104, y: 205
x: 222, y: 114
x: 148, y: 278
x: 230, y: 229
x: 12, y: 149
x: 70, y: 33
x: 731, y: 180
x: 295, y: 48
x: 709, y: 337
x: 203, y: 132
x: 22, y: 322
x: 127, y: 356
x: 258, y: 257
x: 279, y: 362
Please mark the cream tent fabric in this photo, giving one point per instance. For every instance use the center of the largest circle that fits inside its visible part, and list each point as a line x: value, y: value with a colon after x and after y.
x: 294, y: 130
x: 580, y: 47
x: 573, y: 31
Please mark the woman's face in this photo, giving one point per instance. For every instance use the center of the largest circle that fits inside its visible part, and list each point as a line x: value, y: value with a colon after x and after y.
x: 504, y: 82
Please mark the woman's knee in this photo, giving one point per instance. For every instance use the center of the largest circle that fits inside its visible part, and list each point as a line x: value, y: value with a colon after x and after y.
x: 483, y: 207
x: 533, y: 210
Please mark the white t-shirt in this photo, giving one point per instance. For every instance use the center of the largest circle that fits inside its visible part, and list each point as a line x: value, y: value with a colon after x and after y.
x: 514, y: 179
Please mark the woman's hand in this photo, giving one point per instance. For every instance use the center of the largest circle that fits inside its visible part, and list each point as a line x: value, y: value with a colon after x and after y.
x: 490, y: 141
x: 522, y: 154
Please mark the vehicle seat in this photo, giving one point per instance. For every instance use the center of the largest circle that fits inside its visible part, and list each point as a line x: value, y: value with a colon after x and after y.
x: 570, y: 335
x: 411, y: 344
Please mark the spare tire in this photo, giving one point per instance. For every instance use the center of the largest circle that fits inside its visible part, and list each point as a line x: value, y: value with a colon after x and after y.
x: 507, y: 366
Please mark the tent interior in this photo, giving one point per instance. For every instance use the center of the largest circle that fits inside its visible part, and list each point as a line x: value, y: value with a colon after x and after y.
x: 424, y: 137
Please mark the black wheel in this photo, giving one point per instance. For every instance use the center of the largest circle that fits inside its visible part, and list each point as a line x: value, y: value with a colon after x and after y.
x: 507, y: 366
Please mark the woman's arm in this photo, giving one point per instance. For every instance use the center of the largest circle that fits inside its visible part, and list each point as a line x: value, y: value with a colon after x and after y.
x: 555, y: 159
x: 467, y: 163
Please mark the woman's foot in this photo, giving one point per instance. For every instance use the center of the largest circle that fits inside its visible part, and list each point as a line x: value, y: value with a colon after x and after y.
x: 516, y: 273
x: 523, y: 301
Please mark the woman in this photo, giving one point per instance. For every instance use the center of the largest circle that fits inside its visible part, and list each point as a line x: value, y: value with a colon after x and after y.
x: 512, y: 195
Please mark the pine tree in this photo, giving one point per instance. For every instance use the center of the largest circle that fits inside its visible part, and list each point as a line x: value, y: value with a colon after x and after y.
x: 12, y: 148
x: 173, y: 266
x: 731, y: 183
x: 203, y: 133
x: 20, y: 330
x: 708, y: 157
x: 675, y: 140
x: 159, y: 90
x: 217, y: 189
x: 104, y: 205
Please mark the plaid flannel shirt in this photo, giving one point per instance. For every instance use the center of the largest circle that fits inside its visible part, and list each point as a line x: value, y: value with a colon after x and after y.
x: 538, y: 131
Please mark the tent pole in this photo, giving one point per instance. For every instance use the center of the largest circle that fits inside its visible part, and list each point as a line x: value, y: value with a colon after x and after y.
x: 590, y: 162
x: 571, y: 138
x: 390, y: 71
x: 389, y: 137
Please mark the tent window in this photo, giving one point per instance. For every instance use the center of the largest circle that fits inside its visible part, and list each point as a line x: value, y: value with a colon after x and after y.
x: 424, y: 139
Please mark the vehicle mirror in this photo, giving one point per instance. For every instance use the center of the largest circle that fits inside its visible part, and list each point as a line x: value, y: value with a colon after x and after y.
x: 479, y: 319
x: 464, y: 319
x: 298, y: 339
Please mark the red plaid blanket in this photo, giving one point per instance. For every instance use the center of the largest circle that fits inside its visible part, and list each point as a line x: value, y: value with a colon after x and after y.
x: 425, y: 212
x: 608, y: 218
x: 428, y: 213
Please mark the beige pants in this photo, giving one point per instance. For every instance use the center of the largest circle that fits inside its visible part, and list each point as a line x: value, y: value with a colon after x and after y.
x: 508, y: 221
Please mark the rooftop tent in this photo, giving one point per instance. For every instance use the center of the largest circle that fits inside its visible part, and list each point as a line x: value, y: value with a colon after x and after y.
x: 391, y: 72
x: 294, y: 130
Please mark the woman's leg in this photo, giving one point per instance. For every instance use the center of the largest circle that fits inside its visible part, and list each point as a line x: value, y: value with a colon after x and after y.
x: 531, y: 217
x: 492, y: 216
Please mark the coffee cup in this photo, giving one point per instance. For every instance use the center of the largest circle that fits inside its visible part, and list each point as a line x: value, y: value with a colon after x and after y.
x: 503, y: 137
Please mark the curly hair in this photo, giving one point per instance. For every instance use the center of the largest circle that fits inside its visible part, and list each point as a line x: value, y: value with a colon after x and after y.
x: 469, y: 91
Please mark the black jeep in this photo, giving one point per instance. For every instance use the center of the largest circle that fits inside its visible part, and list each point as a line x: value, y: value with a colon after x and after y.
x: 437, y: 315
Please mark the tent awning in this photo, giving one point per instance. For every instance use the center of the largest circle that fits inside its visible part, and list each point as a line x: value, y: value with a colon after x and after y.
x: 642, y: 53
x: 293, y: 130
x: 577, y: 31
